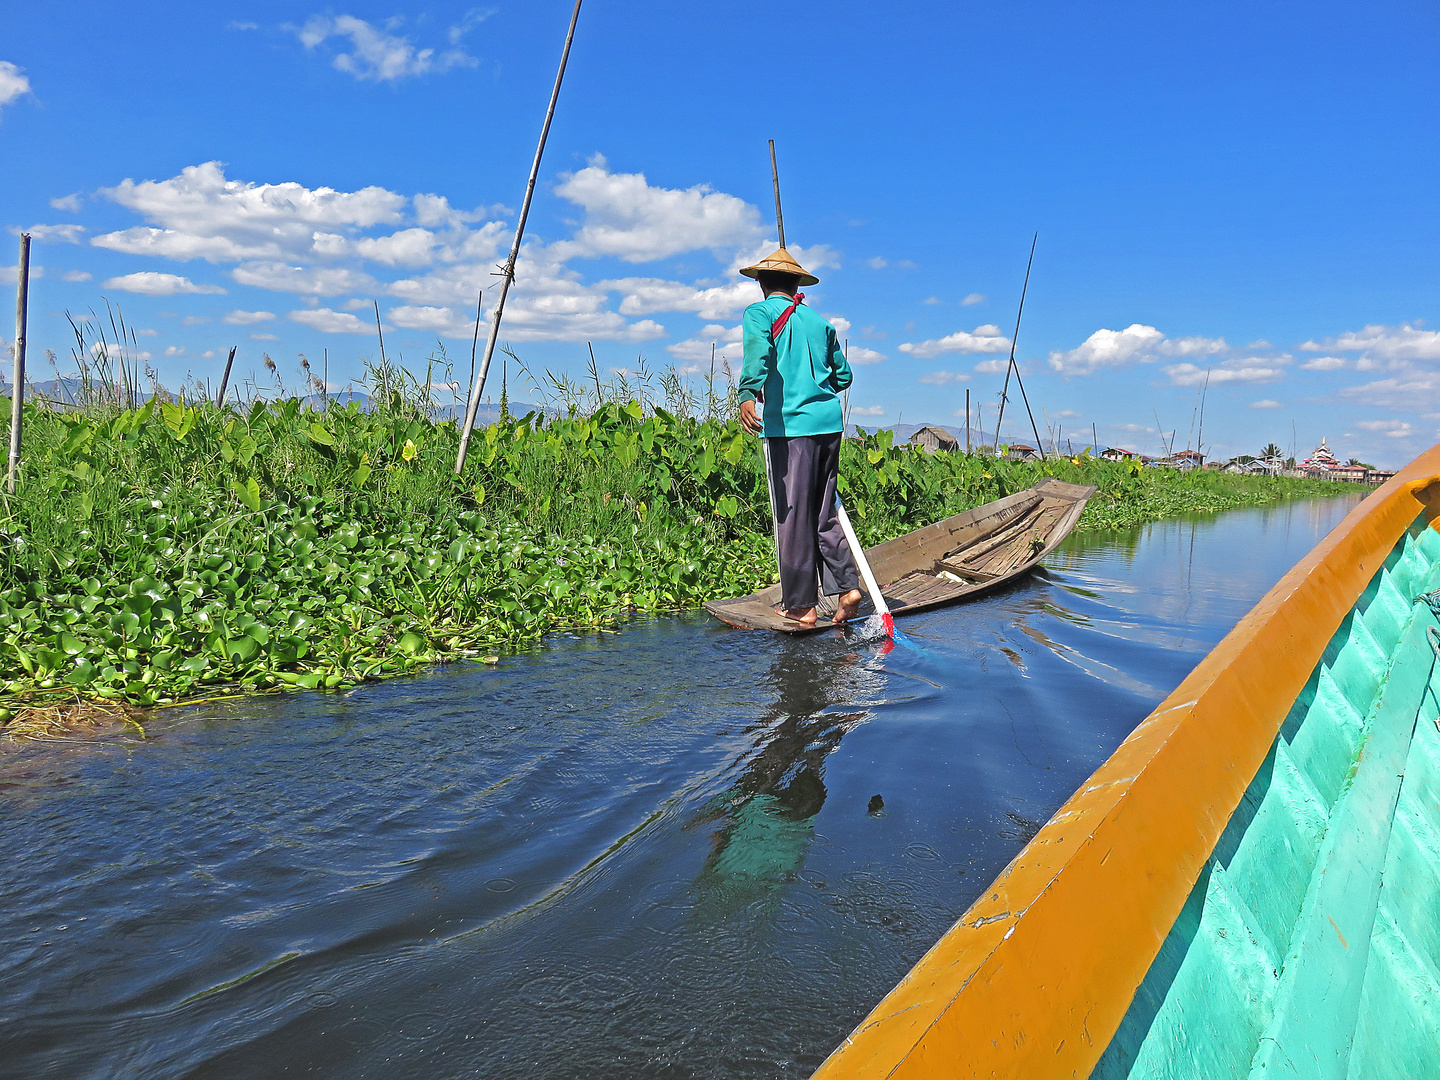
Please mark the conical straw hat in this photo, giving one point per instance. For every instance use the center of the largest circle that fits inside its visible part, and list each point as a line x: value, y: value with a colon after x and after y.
x: 780, y: 262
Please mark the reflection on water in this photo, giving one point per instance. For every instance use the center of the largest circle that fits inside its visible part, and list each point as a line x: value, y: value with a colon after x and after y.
x: 768, y: 814
x: 639, y: 856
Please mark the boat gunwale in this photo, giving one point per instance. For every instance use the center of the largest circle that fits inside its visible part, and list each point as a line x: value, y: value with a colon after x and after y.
x: 1035, y: 977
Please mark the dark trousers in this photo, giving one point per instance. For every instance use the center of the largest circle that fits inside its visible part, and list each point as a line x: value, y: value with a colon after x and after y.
x: 807, y: 531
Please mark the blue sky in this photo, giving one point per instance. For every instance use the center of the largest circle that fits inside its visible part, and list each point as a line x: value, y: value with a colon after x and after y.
x: 1244, y: 189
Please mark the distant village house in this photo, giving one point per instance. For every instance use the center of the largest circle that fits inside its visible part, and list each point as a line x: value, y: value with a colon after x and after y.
x: 934, y: 439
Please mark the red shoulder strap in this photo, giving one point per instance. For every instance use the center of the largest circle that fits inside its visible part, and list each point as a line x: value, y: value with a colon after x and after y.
x: 779, y: 324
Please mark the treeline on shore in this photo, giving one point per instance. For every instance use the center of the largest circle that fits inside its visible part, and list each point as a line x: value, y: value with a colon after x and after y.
x: 163, y: 553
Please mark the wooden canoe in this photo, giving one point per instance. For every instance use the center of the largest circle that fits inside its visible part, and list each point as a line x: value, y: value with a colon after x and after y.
x: 1249, y: 885
x: 955, y: 559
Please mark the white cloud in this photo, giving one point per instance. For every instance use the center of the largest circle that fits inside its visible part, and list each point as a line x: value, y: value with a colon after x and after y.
x: 56, y: 234
x: 202, y: 214
x: 318, y: 243
x: 943, y: 378
x: 331, y: 322
x: 932, y: 300
x: 985, y: 339
x: 840, y: 323
x: 1394, y: 429
x: 1067, y: 414
x: 13, y: 83
x: 303, y: 280
x: 646, y: 296
x: 473, y: 18
x: 1193, y: 346
x: 1401, y: 394
x: 877, y: 263
x: 70, y: 204
x: 726, y: 341
x: 247, y: 318
x: 1254, y: 370
x: 992, y: 367
x: 435, y: 211
x: 175, y: 350
x: 194, y: 320
x: 1323, y: 363
x: 375, y: 55
x: 859, y: 356
x: 627, y: 218
x: 973, y: 299
x: 1265, y: 404
x: 75, y: 275
x: 1405, y: 342
x: 263, y: 337
x: 11, y: 273
x: 151, y: 283
x: 1108, y: 348
x: 868, y: 410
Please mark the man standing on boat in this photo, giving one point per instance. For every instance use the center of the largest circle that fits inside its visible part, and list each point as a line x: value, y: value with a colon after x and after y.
x: 794, y: 365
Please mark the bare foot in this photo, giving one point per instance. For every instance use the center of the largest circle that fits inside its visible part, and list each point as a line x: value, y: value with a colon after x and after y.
x: 848, y: 604
x: 805, y: 616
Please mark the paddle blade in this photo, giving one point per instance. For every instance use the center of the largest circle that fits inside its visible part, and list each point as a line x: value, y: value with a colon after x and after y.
x: 871, y: 627
x: 888, y: 621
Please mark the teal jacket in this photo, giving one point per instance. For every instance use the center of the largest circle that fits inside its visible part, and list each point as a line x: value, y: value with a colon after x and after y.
x: 799, y: 376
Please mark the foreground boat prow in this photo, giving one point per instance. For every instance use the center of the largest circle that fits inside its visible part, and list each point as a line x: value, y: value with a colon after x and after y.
x: 1249, y: 885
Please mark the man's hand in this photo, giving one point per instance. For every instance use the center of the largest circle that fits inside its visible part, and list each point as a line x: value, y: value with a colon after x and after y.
x: 748, y: 419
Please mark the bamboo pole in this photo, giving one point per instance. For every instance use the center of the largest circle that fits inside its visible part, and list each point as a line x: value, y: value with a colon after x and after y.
x: 17, y: 390
x: 967, y: 420
x: 775, y: 176
x: 384, y: 364
x: 475, y: 337
x: 507, y: 271
x: 225, y: 378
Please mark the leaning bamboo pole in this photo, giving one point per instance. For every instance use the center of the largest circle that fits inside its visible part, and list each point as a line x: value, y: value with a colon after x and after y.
x: 225, y: 377
x: 507, y: 271
x: 17, y: 389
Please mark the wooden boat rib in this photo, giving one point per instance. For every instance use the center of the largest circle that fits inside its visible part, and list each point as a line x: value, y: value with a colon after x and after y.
x: 955, y: 559
x: 1248, y: 886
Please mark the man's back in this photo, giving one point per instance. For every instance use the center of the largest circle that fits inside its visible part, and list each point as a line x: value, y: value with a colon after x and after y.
x: 799, y: 373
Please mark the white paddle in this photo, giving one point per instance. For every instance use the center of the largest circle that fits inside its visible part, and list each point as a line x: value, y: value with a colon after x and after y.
x: 882, y: 621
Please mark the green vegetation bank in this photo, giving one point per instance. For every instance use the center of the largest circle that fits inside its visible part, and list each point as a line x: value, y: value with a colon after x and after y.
x: 169, y: 552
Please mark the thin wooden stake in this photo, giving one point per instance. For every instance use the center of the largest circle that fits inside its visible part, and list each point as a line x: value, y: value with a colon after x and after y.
x: 1011, y: 366
x: 475, y: 338
x: 967, y: 420
x: 775, y: 176
x: 225, y: 378
x: 17, y: 391
x: 507, y: 271
x: 384, y: 365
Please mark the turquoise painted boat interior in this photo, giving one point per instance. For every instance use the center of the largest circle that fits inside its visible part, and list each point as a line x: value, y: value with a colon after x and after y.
x: 1310, y: 945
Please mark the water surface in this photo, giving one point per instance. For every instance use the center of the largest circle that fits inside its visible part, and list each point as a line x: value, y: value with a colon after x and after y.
x: 642, y: 854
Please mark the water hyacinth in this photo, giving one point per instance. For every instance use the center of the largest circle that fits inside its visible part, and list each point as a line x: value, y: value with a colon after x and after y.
x: 160, y: 553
